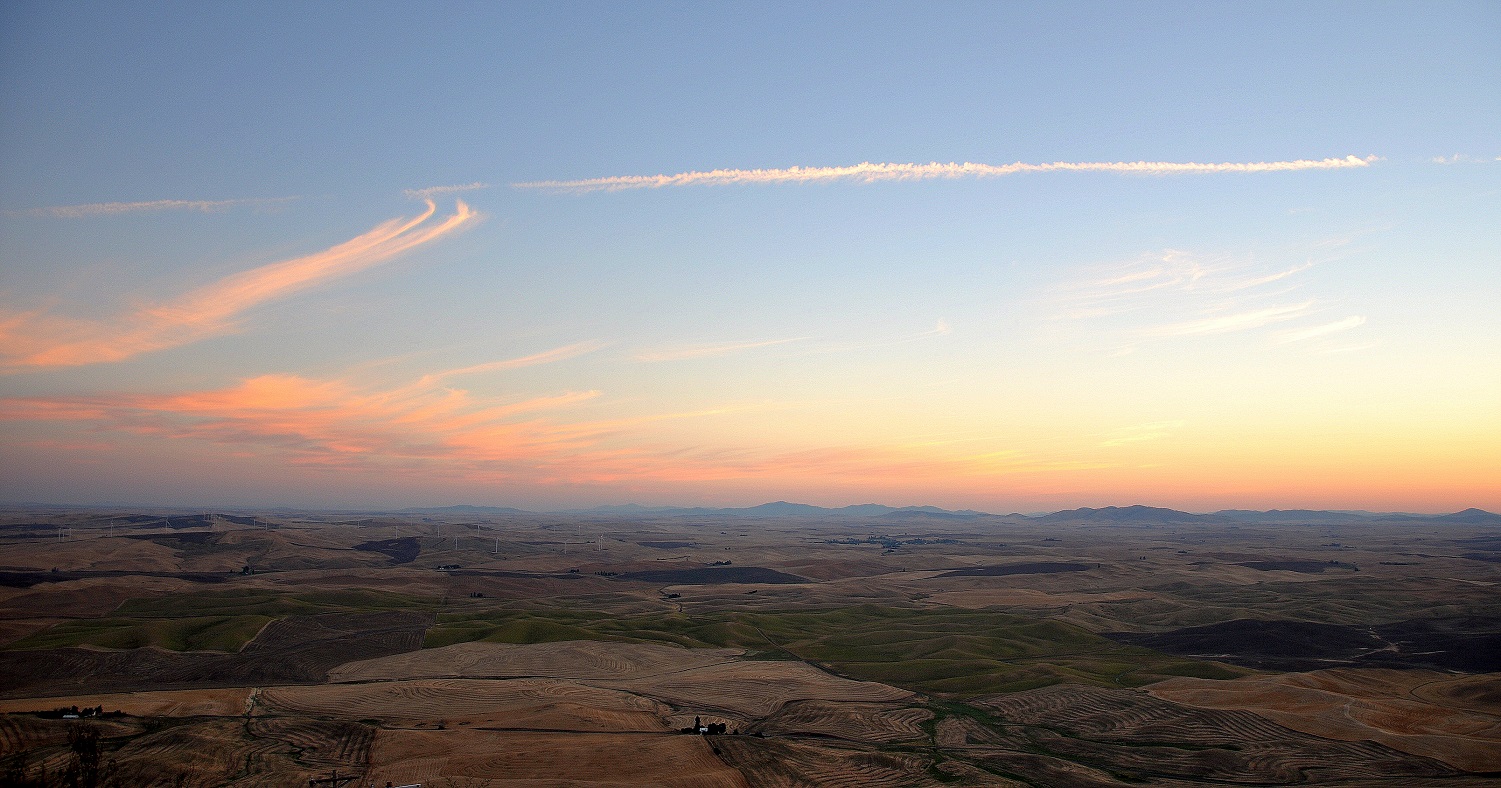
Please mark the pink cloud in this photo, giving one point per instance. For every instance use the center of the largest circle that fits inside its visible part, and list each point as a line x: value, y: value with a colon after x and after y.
x: 423, y: 429
x: 38, y: 339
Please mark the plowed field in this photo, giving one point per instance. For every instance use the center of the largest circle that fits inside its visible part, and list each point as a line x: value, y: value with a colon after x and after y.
x: 545, y: 704
x: 167, y: 703
x: 772, y: 763
x: 863, y: 722
x: 1420, y: 712
x: 756, y: 689
x: 547, y: 759
x: 1136, y: 732
x: 569, y: 659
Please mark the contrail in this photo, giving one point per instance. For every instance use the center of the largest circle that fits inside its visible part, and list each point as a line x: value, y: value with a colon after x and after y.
x: 868, y: 172
x: 112, y: 208
x: 37, y: 338
x: 433, y: 191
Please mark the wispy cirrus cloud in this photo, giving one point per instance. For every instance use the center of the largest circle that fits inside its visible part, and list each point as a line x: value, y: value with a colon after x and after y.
x: 710, y: 351
x: 433, y: 191
x: 1313, y: 332
x: 545, y: 357
x: 36, y: 338
x: 1141, y: 433
x: 151, y: 206
x: 1179, y: 294
x: 1238, y: 321
x: 1462, y: 158
x: 871, y: 172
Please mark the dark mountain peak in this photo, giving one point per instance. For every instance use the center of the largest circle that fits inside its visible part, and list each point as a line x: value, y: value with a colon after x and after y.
x: 1128, y: 514
x: 1471, y: 516
x: 1293, y: 516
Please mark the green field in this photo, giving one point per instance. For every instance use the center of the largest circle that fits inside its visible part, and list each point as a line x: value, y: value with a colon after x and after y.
x: 274, y: 604
x: 940, y: 651
x: 212, y: 621
x: 199, y: 633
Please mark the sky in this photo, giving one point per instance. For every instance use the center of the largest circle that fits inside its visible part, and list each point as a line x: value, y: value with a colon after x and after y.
x: 1002, y: 256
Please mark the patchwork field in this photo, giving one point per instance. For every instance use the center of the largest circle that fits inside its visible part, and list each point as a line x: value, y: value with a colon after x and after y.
x: 1420, y: 712
x: 547, y: 650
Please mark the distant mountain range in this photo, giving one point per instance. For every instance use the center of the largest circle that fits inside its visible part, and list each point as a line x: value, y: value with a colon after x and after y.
x: 786, y: 509
x: 1121, y: 515
x: 1129, y: 514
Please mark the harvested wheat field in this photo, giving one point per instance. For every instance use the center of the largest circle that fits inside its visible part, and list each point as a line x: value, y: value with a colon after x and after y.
x: 120, y: 553
x: 207, y: 754
x: 1126, y: 728
x: 863, y: 722
x: 544, y: 704
x: 506, y: 758
x: 164, y: 703
x: 961, y: 732
x: 772, y: 763
x: 575, y: 659
x: 756, y: 689
x: 19, y: 733
x: 1476, y: 693
x: 1419, y: 712
x: 88, y: 597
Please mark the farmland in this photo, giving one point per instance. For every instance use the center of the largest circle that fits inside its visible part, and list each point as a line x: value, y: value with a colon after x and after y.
x: 260, y: 649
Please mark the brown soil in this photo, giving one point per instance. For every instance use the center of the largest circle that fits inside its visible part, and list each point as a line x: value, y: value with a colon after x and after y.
x: 756, y: 689
x: 569, y: 660
x: 548, y: 759
x: 1419, y: 712
x: 1136, y: 732
x: 862, y: 722
x: 171, y: 703
x: 778, y: 763
x: 87, y: 598
x: 543, y: 704
x: 1027, y: 568
x: 320, y: 743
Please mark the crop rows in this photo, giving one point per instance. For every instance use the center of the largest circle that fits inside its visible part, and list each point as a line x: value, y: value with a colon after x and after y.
x: 319, y: 742
x: 1135, y: 732
x: 769, y: 763
x: 851, y: 721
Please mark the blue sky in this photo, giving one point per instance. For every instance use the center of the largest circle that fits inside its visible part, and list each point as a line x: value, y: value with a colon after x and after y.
x: 1318, y: 336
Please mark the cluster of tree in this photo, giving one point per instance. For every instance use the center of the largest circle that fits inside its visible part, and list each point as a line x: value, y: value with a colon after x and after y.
x: 712, y: 729
x: 891, y: 543
x: 71, y: 712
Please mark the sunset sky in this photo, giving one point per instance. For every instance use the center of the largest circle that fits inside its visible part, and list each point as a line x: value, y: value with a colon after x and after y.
x: 1004, y: 256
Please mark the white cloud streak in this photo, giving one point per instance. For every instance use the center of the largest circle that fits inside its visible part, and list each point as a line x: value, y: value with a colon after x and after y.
x: 150, y: 206
x: 1241, y: 321
x: 869, y: 172
x: 1461, y: 158
x: 433, y: 191
x: 1301, y: 334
